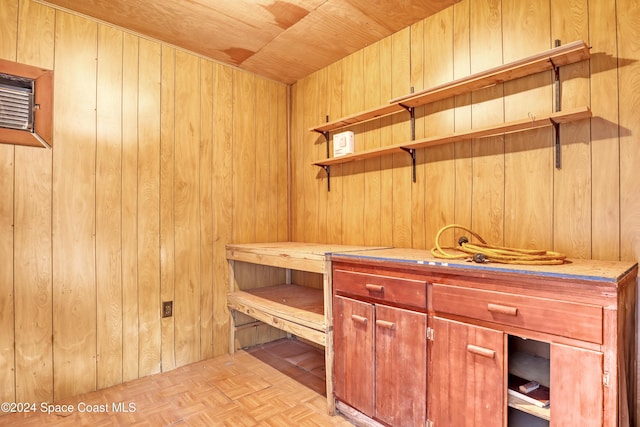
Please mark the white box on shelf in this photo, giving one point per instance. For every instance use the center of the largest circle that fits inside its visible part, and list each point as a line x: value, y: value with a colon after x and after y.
x: 342, y: 143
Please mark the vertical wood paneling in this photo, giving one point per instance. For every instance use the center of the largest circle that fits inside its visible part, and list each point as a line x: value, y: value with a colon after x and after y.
x: 130, y: 315
x: 418, y: 189
x: 402, y: 180
x: 268, y: 115
x: 628, y: 12
x: 353, y: 84
x: 629, y: 72
x: 8, y: 34
x: 32, y: 228
x: 36, y: 34
x: 462, y: 121
x: 278, y: 159
x: 439, y: 120
x: 318, y: 150
x: 149, y: 328
x: 507, y: 184
x: 7, y: 317
x: 280, y: 165
x: 167, y: 243
x: 335, y: 199
x: 134, y: 205
x: 353, y: 181
x: 371, y: 139
x: 313, y: 197
x: 186, y: 210
x: 487, y: 108
x: 244, y: 188
x: 297, y: 135
x: 315, y: 147
x: 109, y: 206
x: 244, y: 165
x: 8, y: 29
x: 264, y: 187
x: 74, y: 288
x: 206, y: 209
x: 605, y: 147
x: 253, y: 189
x: 223, y: 200
x: 572, y: 192
x: 386, y: 163
x: 529, y: 159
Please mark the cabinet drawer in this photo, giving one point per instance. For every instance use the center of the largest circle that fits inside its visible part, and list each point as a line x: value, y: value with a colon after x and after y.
x: 564, y: 318
x: 386, y: 289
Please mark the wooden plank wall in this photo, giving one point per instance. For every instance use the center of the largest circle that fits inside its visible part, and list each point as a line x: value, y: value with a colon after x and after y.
x: 505, y: 188
x: 160, y: 158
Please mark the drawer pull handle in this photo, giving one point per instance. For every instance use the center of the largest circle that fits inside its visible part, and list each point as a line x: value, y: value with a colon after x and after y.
x: 385, y: 324
x: 502, y: 309
x: 481, y: 351
x: 359, y: 319
x: 374, y: 288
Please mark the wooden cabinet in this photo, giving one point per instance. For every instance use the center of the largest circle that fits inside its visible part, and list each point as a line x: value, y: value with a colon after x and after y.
x: 466, y: 374
x: 471, y: 362
x: 380, y: 368
x: 577, y: 379
x: 573, y: 373
x: 570, y: 328
x: 400, y: 366
x: 354, y: 344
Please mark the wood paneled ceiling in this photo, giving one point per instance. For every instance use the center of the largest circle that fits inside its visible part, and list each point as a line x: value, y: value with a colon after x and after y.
x: 284, y: 40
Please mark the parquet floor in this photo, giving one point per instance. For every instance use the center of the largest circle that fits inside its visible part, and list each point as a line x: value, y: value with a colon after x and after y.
x: 275, y: 384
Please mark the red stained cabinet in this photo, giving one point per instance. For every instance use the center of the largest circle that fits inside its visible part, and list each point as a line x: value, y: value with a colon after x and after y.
x: 353, y: 344
x: 466, y: 374
x: 422, y: 342
x: 380, y: 350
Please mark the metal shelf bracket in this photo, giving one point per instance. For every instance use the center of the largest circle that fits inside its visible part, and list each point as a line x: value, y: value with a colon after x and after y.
x: 327, y: 169
x: 556, y: 131
x: 556, y: 125
x: 412, y: 153
x: 412, y: 113
x: 326, y: 135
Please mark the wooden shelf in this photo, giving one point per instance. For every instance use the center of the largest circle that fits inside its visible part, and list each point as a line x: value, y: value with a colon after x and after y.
x: 524, y: 406
x: 544, y: 61
x: 360, y: 117
x: 526, y: 365
x: 299, y: 310
x: 312, y: 257
x: 499, y: 129
x: 295, y: 309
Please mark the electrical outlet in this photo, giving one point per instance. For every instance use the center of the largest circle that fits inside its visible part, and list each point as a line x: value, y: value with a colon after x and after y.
x: 167, y: 308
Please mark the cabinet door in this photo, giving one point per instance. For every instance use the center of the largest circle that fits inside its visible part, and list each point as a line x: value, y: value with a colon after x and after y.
x: 467, y: 382
x: 401, y: 366
x: 353, y: 346
x: 576, y: 392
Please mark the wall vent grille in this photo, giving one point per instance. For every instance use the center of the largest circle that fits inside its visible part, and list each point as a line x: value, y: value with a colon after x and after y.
x: 16, y: 102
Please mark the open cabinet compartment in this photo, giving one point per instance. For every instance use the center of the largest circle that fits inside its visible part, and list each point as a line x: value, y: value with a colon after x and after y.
x: 530, y: 360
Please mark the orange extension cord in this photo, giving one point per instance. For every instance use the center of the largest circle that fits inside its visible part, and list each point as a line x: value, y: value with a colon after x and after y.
x: 483, y: 252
